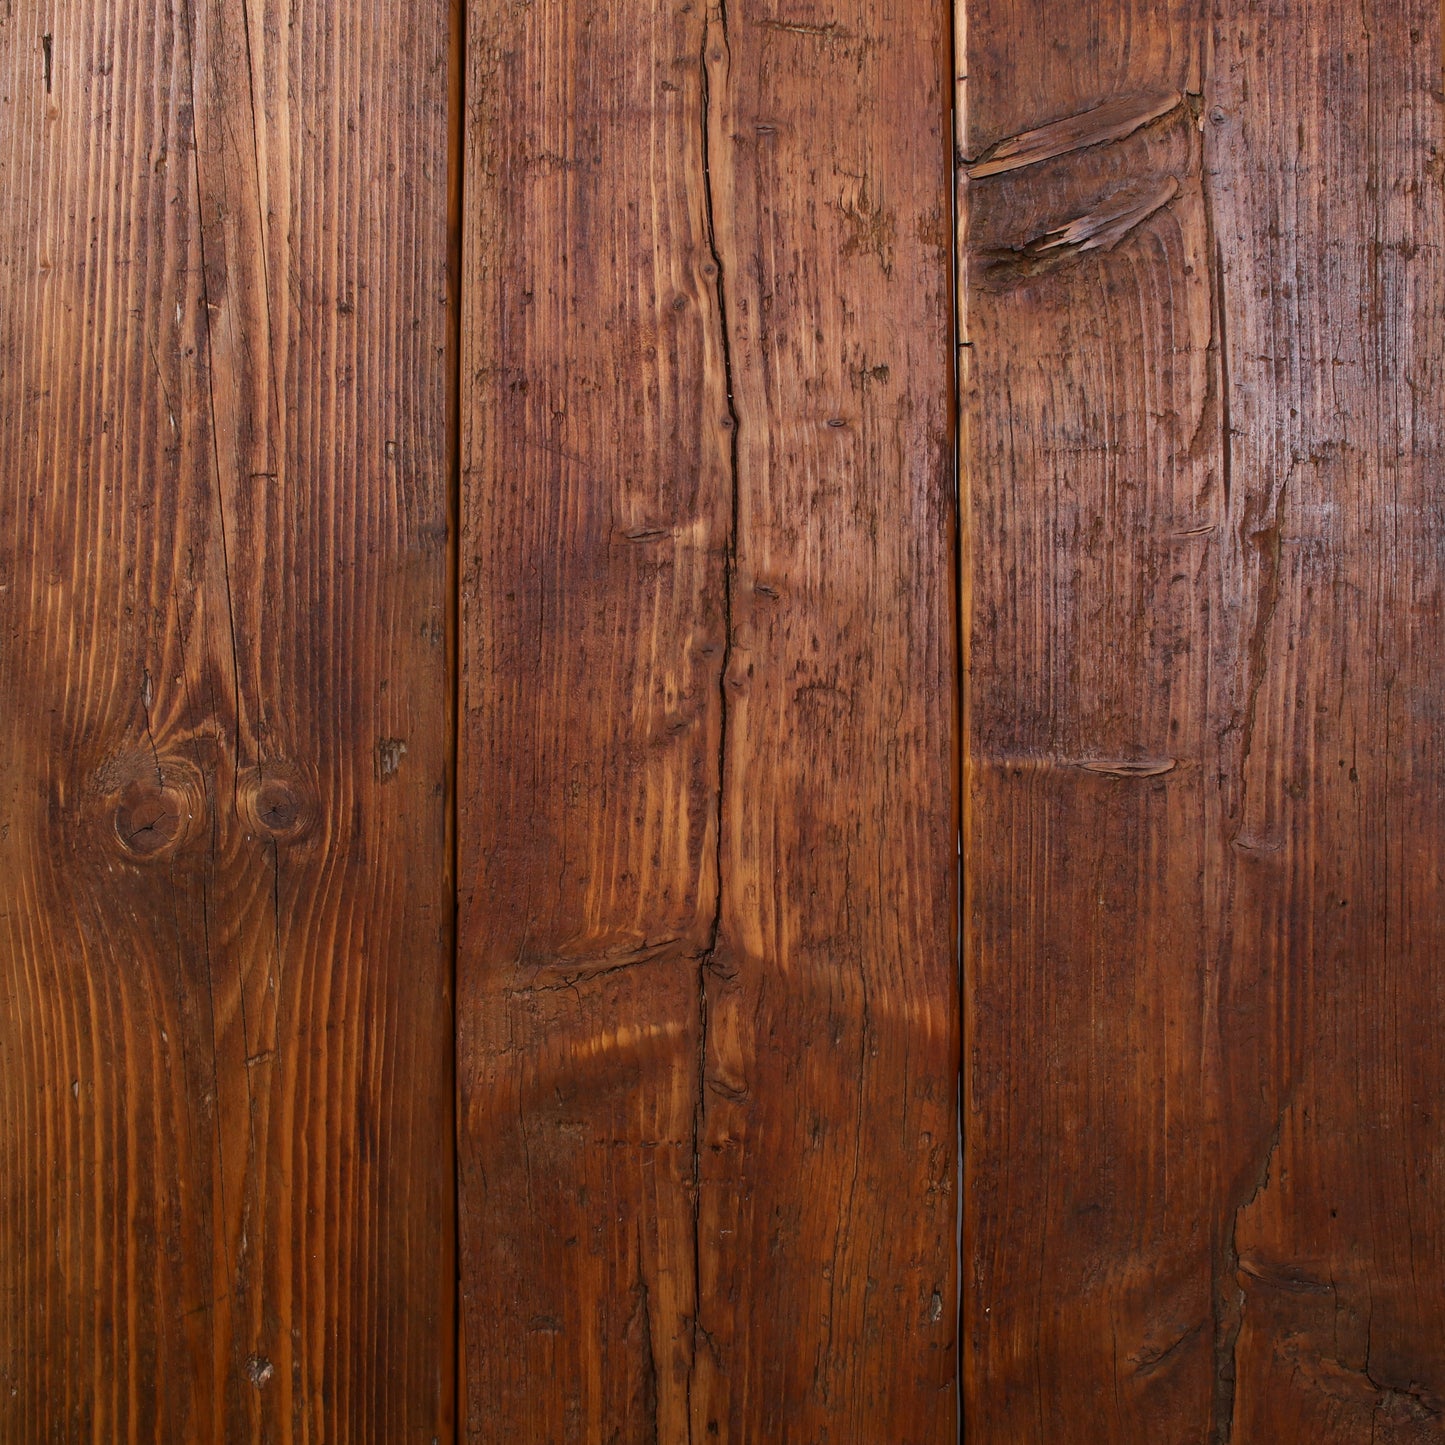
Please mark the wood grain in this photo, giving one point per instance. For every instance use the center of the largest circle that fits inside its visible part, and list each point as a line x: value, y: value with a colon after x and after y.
x: 225, y: 1081
x: 1202, y: 605
x: 1327, y: 161
x: 827, y: 1123
x: 706, y: 980
x: 596, y: 507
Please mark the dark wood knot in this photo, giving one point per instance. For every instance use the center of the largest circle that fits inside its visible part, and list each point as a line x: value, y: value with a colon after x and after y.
x: 277, y: 802
x: 152, y: 819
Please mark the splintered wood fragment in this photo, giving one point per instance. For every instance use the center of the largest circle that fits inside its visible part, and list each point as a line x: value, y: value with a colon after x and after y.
x: 1111, y: 121
x: 1102, y: 229
x: 1143, y: 768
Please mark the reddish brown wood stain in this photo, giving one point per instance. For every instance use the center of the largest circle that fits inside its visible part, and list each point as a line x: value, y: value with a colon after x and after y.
x: 521, y: 437
x: 225, y: 1031
x: 1201, y: 475
x: 707, y: 980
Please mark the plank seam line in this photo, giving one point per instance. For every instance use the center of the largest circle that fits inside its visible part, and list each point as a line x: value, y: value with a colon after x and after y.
x: 456, y: 155
x: 956, y: 47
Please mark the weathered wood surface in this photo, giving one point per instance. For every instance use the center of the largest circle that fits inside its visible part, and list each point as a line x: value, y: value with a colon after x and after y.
x: 226, y: 1184
x: 827, y: 1132
x: 708, y: 1012
x: 706, y: 990
x: 1201, y: 470
x: 595, y: 516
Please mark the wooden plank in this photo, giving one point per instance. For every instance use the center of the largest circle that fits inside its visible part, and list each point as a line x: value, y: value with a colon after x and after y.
x: 706, y: 968
x: 1325, y: 149
x: 1201, y: 592
x: 225, y: 1090
x: 596, y: 505
x: 1092, y: 486
x: 828, y: 1118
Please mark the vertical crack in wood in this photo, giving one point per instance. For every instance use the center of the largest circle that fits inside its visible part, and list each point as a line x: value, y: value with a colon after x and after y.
x: 209, y: 881
x: 201, y: 243
x: 248, y: 1044
x: 1226, y: 456
x: 273, y: 416
x: 714, y: 50
x: 648, y: 1384
x: 241, y: 1255
x: 1229, y: 1295
x: 1268, y: 541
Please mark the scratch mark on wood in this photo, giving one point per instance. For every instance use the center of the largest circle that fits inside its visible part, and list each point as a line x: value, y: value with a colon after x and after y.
x: 829, y: 30
x: 1146, y: 1362
x: 1269, y: 544
x: 569, y: 973
x: 1292, y: 1281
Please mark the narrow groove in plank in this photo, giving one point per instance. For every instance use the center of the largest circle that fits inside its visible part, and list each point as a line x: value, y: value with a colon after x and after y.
x: 456, y: 233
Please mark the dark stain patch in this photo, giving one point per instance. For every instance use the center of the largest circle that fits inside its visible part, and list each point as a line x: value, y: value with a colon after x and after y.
x: 871, y: 227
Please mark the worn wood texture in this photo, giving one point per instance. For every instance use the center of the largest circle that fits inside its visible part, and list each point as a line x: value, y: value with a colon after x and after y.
x: 594, y: 532
x: 225, y: 903
x: 828, y: 1158
x: 1201, y: 469
x: 706, y: 992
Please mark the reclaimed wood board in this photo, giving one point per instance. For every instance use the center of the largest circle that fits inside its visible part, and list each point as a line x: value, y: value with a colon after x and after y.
x: 226, y: 1141
x: 1202, y: 488
x: 706, y: 977
x: 541, y: 545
